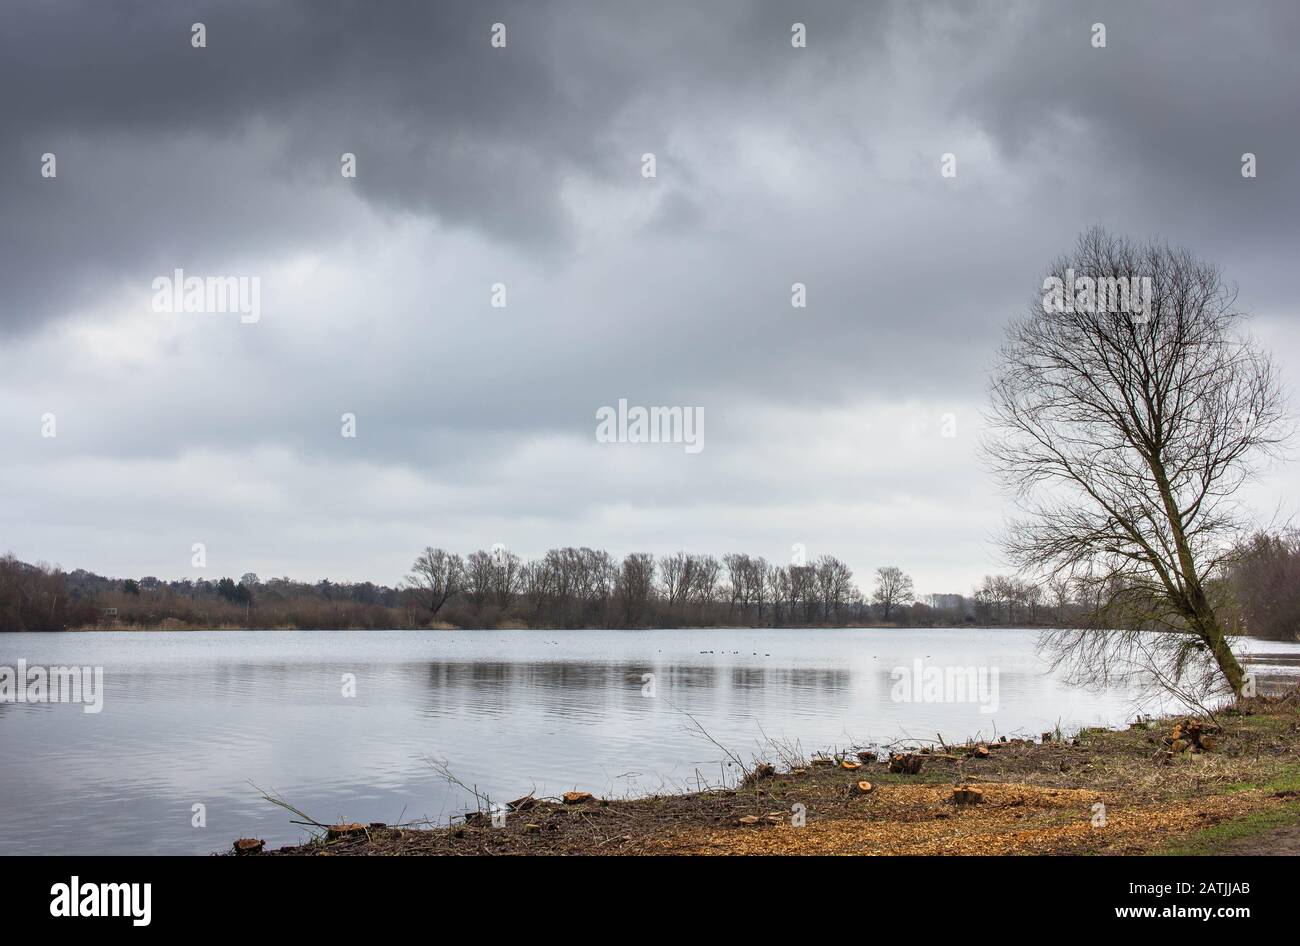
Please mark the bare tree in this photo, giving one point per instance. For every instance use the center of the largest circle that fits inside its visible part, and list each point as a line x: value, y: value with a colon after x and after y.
x: 507, y: 576
x: 756, y: 574
x: 480, y: 577
x: 599, y: 577
x: 834, y: 585
x: 537, y: 583
x: 1124, y: 433
x: 705, y: 585
x: 564, y: 565
x: 778, y: 592
x: 893, y: 588
x: 738, y: 582
x: 803, y: 592
x: 676, y: 571
x: 824, y: 584
x: 636, y: 586
x: 436, y: 576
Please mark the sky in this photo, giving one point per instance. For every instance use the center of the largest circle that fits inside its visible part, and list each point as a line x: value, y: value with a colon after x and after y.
x: 848, y: 426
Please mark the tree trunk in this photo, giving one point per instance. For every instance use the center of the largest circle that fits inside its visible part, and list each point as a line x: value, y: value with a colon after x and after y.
x: 1211, y: 632
x: 1204, y: 620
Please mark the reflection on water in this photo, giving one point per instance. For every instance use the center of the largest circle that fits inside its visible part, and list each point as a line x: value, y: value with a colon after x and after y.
x: 199, y: 718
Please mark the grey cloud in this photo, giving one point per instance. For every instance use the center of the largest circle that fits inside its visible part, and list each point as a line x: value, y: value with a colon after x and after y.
x: 442, y: 124
x: 477, y: 165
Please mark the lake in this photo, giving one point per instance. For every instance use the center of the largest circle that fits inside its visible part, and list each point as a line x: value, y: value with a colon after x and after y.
x: 344, y: 724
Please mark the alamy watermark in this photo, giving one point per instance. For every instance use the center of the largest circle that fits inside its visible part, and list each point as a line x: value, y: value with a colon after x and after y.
x: 1096, y: 294
x: 684, y: 425
x: 37, y: 684
x: 922, y: 684
x: 75, y: 898
x: 237, y: 294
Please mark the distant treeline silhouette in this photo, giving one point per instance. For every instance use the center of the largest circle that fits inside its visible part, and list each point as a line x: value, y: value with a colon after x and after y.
x: 583, y: 587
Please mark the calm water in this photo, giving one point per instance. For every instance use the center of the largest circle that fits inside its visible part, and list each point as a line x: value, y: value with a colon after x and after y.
x: 196, y: 717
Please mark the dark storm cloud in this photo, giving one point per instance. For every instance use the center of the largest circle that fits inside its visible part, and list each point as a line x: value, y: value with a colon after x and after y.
x: 443, y: 124
x: 446, y: 126
x: 1180, y: 92
x: 227, y: 157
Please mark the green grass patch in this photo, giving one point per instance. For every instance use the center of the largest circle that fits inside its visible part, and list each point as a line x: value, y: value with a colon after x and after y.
x: 1263, y: 723
x: 1288, y: 780
x: 1211, y: 840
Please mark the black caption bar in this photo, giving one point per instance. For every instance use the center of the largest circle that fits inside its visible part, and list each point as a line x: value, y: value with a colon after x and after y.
x: 139, y: 896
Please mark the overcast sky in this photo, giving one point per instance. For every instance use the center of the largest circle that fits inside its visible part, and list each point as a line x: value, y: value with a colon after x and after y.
x: 522, y: 165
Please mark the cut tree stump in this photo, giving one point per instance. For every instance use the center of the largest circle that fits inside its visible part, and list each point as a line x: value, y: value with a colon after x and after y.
x: 247, y: 846
x: 966, y: 795
x: 578, y: 798
x: 905, y: 764
x: 864, y: 788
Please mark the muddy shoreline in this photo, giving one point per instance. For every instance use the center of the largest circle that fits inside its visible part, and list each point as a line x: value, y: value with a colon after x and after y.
x: 1144, y: 789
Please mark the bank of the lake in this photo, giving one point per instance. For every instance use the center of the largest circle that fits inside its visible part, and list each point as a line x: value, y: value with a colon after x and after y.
x: 1226, y: 783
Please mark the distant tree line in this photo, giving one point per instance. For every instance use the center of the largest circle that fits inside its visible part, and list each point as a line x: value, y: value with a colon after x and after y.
x: 45, y: 598
x: 37, y: 598
x: 583, y: 587
x: 1262, y: 586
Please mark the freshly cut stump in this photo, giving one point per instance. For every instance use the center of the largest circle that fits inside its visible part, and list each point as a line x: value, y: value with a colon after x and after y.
x: 905, y: 764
